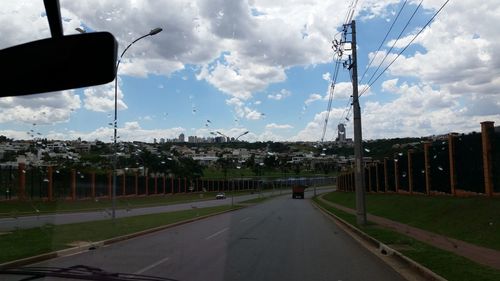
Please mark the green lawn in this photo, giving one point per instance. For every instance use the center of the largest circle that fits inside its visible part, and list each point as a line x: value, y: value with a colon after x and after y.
x: 446, y: 264
x: 30, y: 242
x: 474, y: 219
x: 20, y: 208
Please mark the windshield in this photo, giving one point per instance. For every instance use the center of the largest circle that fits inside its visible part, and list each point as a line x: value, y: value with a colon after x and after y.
x: 254, y: 140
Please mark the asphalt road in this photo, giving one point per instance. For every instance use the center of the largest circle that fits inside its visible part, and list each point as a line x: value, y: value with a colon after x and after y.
x: 280, y: 239
x: 7, y: 224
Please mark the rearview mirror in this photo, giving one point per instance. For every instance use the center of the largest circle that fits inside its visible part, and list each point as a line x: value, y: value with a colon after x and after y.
x: 56, y: 64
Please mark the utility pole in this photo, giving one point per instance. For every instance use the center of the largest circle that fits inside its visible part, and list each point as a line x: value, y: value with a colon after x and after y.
x: 358, y: 143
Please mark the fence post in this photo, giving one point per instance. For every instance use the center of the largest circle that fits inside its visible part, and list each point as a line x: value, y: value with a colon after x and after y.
x: 110, y: 184
x: 136, y: 183
x: 22, y: 181
x: 73, y: 184
x: 370, y: 187
x: 487, y: 131
x: 164, y: 184
x: 185, y: 185
x: 427, y: 168
x: 377, y: 178
x: 172, y: 187
x: 410, y: 171
x: 50, y: 191
x: 386, y: 180
x: 396, y: 174
x: 124, y: 183
x: 451, y: 153
x: 92, y: 182
x: 156, y: 184
x: 146, y: 183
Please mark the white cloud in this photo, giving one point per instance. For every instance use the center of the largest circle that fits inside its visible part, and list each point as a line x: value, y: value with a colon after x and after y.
x: 283, y: 93
x: 327, y: 76
x: 312, y: 98
x: 44, y: 108
x: 102, y: 98
x: 272, y: 126
x: 390, y: 85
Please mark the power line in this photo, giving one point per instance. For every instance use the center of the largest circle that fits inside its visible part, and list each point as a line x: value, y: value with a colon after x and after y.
x: 383, y: 41
x: 406, y: 47
x: 392, y: 47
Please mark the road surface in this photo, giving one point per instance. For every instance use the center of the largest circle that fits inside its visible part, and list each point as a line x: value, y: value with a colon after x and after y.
x: 7, y: 224
x: 280, y: 239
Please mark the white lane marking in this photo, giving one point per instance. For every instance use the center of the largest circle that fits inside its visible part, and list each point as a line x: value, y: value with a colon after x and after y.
x: 152, y: 266
x: 217, y: 233
x: 245, y: 219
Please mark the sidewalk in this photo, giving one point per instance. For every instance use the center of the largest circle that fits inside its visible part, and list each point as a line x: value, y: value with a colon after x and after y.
x: 481, y: 255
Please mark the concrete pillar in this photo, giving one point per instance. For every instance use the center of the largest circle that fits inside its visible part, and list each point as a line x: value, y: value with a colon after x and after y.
x: 487, y: 133
x: 377, y: 177
x: 451, y: 153
x: 427, y: 169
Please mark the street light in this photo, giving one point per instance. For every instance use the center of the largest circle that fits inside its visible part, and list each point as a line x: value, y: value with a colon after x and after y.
x: 115, y: 127
x: 242, y: 134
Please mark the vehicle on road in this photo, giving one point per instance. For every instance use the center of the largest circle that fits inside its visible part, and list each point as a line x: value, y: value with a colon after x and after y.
x: 220, y: 195
x: 298, y: 191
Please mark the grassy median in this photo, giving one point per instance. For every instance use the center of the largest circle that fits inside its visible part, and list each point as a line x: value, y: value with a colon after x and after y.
x: 24, y: 208
x: 24, y: 243
x: 444, y: 263
x: 475, y: 219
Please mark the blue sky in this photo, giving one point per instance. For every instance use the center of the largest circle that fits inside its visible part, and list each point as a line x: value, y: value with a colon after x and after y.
x: 252, y: 65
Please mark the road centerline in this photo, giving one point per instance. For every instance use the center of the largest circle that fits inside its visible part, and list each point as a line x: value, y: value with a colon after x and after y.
x: 217, y: 233
x: 245, y: 219
x: 152, y: 266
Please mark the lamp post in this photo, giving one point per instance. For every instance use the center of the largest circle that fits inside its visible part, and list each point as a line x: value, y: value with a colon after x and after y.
x: 115, y: 127
x: 242, y: 135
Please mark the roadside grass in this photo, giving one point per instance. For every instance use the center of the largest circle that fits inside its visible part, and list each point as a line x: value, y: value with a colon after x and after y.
x: 446, y: 264
x: 23, y: 208
x: 24, y: 243
x: 473, y: 219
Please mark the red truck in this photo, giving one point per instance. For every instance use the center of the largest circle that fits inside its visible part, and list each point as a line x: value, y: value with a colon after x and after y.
x: 298, y: 191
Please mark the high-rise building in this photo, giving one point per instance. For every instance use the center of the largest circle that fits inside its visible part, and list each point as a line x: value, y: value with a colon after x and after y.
x: 182, y: 138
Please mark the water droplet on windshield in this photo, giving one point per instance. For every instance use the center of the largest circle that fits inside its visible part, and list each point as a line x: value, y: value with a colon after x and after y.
x: 423, y: 171
x: 440, y: 168
x: 400, y: 154
x: 367, y: 150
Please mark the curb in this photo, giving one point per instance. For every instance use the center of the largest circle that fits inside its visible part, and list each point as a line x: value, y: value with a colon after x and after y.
x: 93, y: 245
x: 383, y: 248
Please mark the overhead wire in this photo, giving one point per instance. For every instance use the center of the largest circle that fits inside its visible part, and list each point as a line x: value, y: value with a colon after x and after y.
x: 406, y: 47
x: 393, y: 45
x: 383, y: 41
x: 349, y: 15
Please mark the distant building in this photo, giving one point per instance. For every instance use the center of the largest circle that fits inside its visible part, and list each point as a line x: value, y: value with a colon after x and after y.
x: 162, y: 141
x: 182, y: 138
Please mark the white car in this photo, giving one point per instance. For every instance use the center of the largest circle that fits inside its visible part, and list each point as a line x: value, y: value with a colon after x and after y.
x: 220, y: 195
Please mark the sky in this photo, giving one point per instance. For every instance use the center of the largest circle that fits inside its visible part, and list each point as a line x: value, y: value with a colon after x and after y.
x: 265, y: 67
